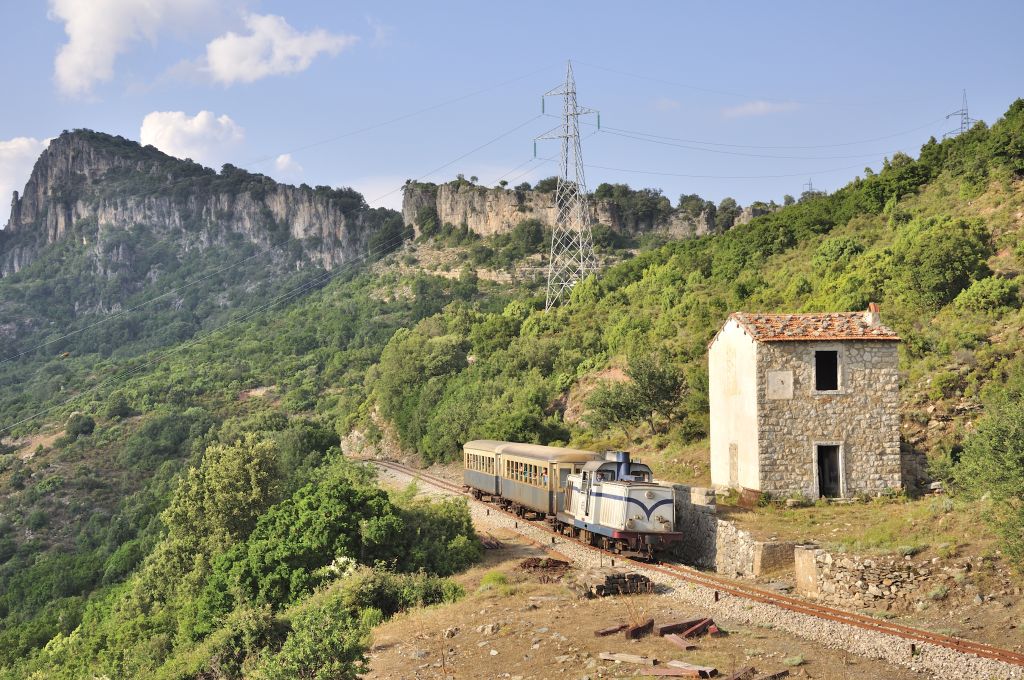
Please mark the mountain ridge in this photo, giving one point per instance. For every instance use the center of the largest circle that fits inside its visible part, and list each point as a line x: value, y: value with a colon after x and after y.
x: 87, y: 176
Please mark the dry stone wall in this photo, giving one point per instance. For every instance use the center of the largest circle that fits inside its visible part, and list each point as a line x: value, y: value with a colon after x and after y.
x: 862, y: 417
x: 888, y: 583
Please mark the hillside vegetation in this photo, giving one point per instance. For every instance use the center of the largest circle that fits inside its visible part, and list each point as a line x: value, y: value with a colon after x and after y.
x: 196, y: 517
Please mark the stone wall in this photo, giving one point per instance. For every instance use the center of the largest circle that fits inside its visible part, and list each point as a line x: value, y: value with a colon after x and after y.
x: 862, y: 417
x: 713, y: 543
x: 859, y: 582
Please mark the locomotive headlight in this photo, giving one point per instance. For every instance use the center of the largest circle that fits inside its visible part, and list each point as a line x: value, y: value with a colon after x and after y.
x: 649, y: 495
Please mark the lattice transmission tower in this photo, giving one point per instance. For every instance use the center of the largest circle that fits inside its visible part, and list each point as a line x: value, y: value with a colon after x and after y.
x: 572, y: 243
x: 966, y: 122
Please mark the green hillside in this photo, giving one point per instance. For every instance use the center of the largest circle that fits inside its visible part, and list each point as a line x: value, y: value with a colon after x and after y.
x: 198, y: 514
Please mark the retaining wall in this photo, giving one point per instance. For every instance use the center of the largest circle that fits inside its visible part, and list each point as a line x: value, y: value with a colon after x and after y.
x: 713, y: 543
x: 885, y: 583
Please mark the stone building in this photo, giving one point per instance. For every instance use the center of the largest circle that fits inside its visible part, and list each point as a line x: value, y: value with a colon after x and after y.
x: 805, y: 404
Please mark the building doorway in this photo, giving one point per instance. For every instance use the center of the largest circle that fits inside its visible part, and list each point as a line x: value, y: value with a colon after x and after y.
x: 828, y: 470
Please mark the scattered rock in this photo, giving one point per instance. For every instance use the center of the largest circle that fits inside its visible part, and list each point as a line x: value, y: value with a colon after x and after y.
x: 451, y: 632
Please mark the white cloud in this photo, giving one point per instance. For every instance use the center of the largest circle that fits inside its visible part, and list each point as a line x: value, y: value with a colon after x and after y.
x: 287, y: 166
x: 17, y: 156
x: 666, y: 104
x: 759, y: 107
x: 272, y: 47
x: 204, y: 137
x: 99, y: 30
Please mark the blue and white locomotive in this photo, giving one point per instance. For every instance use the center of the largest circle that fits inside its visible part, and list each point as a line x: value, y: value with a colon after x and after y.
x: 604, y: 500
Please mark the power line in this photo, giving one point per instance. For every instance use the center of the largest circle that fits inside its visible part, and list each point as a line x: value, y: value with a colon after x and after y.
x: 293, y: 292
x: 742, y: 153
x: 281, y: 244
x: 779, y: 146
x: 860, y: 103
x: 468, y: 153
x: 402, y: 117
x: 688, y: 176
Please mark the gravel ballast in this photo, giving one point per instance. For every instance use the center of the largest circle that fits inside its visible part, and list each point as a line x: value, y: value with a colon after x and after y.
x: 932, y: 660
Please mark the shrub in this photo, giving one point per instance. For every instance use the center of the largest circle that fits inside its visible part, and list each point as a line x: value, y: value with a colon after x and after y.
x: 79, y: 424
x: 937, y: 257
x: 943, y: 385
x: 988, y: 295
x: 117, y: 405
x: 992, y: 463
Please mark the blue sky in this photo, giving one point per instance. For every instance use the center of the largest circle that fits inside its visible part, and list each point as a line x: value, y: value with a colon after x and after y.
x: 289, y: 87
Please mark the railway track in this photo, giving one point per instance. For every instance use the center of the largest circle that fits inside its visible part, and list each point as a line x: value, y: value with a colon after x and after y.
x: 721, y: 584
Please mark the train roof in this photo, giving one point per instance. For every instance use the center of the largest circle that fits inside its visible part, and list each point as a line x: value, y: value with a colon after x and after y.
x: 535, y: 451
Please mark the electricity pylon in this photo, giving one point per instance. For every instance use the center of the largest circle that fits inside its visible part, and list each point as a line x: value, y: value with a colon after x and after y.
x: 572, y: 243
x: 966, y: 122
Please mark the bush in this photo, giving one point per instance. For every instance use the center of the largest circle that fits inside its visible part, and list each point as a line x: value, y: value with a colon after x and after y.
x: 78, y: 425
x: 936, y: 258
x: 117, y: 405
x: 988, y: 295
x: 992, y: 463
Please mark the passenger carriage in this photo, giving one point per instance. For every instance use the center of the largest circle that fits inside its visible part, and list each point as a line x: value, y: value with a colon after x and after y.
x: 522, y: 477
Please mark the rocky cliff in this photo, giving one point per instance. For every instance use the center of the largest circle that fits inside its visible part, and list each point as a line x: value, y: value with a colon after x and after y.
x: 495, y: 211
x: 113, y: 183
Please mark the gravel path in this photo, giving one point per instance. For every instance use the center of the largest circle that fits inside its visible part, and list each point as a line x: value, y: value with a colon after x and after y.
x: 931, y: 660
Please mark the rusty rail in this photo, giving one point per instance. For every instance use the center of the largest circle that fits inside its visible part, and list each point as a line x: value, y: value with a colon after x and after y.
x: 805, y: 607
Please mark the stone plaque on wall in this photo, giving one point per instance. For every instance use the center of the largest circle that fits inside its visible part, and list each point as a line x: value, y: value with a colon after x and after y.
x: 780, y: 384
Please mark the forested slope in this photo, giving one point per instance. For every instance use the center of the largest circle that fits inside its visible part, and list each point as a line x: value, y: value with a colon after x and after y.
x: 198, y: 513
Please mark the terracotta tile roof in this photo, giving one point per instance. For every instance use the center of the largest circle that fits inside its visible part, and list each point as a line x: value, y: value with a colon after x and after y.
x: 828, y: 326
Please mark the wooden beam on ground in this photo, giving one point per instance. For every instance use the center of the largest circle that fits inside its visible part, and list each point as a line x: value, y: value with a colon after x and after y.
x: 628, y: 658
x: 775, y: 676
x: 676, y: 627
x: 744, y: 674
x: 637, y: 632
x: 697, y: 628
x: 611, y: 630
x: 680, y: 669
x: 680, y: 642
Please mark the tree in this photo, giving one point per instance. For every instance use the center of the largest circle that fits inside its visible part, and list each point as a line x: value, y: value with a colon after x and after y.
x: 547, y: 185
x: 788, y: 200
x: 326, y: 642
x: 79, y: 424
x: 614, y: 404
x: 936, y: 258
x: 728, y: 211
x: 992, y: 463
x: 117, y: 405
x: 658, y: 383
x: 693, y: 206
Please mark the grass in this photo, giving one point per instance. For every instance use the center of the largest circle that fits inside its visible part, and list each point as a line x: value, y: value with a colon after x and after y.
x: 497, y: 581
x: 925, y: 526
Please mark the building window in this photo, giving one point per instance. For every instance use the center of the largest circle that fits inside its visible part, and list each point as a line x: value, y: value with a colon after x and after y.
x: 826, y: 370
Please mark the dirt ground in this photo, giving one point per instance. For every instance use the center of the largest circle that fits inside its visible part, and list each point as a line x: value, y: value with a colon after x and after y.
x: 529, y: 629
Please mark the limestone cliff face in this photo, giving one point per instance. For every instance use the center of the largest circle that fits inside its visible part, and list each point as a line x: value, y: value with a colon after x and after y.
x: 118, y: 184
x: 495, y: 211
